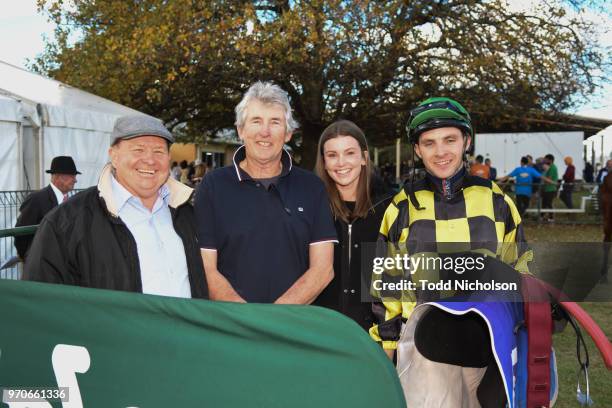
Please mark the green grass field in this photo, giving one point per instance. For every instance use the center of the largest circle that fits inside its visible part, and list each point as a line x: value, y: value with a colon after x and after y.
x: 565, y: 343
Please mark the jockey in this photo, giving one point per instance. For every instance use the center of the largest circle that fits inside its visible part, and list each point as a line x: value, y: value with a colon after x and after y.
x: 444, y: 359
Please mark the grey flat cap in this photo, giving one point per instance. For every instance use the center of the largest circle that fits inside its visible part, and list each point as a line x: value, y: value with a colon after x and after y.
x: 129, y: 127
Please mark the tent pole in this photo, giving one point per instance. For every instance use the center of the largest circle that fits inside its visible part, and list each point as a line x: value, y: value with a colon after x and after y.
x: 21, y: 172
x: 41, y: 146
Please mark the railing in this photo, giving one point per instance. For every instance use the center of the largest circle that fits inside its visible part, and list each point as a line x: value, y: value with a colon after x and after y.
x: 10, y: 201
x: 585, y: 201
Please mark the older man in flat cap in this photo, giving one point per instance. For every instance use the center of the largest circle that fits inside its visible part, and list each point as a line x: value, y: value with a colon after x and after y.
x: 134, y: 231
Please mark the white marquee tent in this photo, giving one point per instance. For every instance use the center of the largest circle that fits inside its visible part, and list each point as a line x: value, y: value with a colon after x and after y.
x: 41, y: 118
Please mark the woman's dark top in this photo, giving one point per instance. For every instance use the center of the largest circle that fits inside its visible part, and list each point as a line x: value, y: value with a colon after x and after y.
x: 353, y: 257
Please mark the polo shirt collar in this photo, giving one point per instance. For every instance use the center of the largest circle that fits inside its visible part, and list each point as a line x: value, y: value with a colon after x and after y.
x: 242, y: 175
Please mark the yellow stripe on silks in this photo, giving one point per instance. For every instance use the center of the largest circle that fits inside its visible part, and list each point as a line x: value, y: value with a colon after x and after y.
x: 496, y: 189
x: 389, y: 218
x: 479, y: 202
x: 457, y: 230
x: 404, y: 235
x: 400, y: 196
x: 426, y: 200
x: 516, y: 217
x: 393, y: 309
x: 500, y: 231
x: 522, y: 263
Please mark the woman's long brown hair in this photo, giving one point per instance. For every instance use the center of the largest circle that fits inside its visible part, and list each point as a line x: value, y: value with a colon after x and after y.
x: 364, y: 201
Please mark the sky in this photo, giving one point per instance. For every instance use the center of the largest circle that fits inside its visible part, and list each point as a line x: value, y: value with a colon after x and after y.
x: 22, y: 32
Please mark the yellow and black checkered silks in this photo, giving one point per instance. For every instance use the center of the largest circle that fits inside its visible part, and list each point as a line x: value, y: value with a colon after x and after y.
x: 479, y: 214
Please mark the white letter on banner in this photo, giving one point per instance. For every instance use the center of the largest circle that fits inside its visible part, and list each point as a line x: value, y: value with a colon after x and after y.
x: 67, y: 361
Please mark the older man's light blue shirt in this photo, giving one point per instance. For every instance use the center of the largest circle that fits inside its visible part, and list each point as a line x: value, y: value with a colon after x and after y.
x: 161, y: 254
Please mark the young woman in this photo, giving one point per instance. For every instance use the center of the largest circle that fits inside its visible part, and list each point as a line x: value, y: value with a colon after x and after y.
x: 344, y: 166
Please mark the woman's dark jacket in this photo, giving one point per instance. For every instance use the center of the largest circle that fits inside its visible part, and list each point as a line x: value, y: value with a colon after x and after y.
x: 344, y: 292
x: 84, y: 243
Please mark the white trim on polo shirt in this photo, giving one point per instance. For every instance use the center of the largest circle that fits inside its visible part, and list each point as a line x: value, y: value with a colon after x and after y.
x: 236, y: 164
x: 335, y: 241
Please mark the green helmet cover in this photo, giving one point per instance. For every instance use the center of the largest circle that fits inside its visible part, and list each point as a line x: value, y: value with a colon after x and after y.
x: 435, y: 113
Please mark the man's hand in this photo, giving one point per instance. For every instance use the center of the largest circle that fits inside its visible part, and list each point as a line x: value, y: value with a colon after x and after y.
x: 306, y: 289
x: 390, y: 353
x: 218, y: 287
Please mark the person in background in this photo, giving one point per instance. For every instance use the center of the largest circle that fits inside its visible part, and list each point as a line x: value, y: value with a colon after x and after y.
x: 568, y: 182
x: 492, y: 170
x: 588, y: 173
x: 549, y: 189
x: 537, y: 165
x: 601, y: 175
x: 524, y: 175
x: 175, y: 171
x: 184, y: 172
x: 343, y: 163
x: 190, y: 171
x: 606, y: 201
x: 199, y: 172
x: 479, y: 169
x: 63, y: 178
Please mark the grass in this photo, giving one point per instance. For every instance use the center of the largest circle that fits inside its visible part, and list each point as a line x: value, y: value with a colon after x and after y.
x: 565, y: 342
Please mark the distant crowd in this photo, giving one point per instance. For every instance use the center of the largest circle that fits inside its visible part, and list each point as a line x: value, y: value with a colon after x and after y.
x: 189, y: 174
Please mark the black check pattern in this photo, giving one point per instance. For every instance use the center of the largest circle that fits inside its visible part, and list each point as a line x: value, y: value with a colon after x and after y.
x: 480, y: 215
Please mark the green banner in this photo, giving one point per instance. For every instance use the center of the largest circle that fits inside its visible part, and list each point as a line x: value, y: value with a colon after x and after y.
x: 114, y: 349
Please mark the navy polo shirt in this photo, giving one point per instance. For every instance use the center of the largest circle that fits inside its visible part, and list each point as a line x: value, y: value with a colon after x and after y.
x: 262, y: 236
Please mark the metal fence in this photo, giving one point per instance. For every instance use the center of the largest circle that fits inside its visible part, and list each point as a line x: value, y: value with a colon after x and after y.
x: 585, y: 201
x: 10, y: 201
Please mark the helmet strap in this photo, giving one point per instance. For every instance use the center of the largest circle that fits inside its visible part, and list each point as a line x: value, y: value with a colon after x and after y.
x: 411, y: 195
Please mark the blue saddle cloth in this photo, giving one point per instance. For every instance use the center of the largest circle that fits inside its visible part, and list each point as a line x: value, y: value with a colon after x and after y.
x: 508, y: 341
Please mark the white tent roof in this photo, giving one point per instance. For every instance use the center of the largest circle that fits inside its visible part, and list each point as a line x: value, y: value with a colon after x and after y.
x: 28, y: 86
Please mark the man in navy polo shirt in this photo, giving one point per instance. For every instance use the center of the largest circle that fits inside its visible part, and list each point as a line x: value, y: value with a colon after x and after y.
x: 264, y: 225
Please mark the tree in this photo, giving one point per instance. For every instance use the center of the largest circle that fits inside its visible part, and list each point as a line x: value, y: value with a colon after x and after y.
x: 188, y: 62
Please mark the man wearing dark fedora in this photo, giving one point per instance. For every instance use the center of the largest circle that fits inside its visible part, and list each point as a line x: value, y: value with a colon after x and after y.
x: 63, y: 177
x: 134, y: 231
